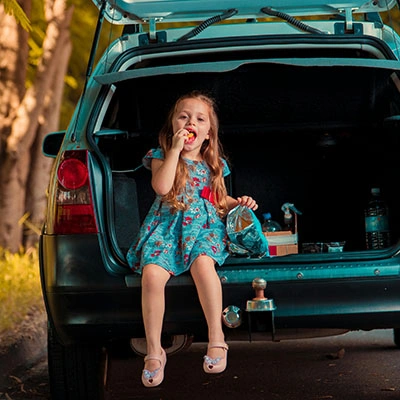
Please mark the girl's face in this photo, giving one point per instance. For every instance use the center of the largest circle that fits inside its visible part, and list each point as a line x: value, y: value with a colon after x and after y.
x: 193, y: 115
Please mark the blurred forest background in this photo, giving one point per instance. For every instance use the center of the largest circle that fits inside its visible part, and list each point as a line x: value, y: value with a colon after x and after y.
x: 45, y: 47
x: 42, y: 72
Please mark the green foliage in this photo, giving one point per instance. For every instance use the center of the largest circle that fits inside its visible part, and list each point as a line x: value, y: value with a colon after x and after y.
x: 392, y: 18
x: 13, y: 8
x: 35, y: 39
x: 20, y: 289
x: 83, y: 27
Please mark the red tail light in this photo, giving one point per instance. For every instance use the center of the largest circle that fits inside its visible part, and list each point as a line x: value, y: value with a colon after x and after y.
x: 72, y: 173
x: 74, y: 211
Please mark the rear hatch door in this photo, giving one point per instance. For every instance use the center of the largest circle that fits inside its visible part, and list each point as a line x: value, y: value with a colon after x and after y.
x: 127, y: 12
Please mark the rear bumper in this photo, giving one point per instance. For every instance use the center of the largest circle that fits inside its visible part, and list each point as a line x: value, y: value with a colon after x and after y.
x: 85, y: 302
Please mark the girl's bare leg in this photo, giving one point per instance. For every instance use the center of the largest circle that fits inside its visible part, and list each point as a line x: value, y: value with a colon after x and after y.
x: 154, y: 279
x: 209, y: 290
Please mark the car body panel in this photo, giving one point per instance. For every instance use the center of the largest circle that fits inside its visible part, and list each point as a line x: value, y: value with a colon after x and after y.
x: 91, y: 302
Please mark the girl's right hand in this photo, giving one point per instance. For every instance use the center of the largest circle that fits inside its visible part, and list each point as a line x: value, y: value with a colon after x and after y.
x: 178, y: 139
x: 248, y: 202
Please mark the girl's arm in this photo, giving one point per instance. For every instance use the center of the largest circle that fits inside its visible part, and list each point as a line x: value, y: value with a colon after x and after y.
x: 163, y: 172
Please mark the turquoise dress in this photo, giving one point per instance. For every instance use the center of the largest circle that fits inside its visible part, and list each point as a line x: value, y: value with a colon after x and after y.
x: 174, y: 239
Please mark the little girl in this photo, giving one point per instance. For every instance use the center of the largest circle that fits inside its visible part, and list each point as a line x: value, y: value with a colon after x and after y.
x: 184, y: 229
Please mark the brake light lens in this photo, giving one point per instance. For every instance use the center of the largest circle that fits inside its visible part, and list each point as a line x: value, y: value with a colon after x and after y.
x: 74, y: 211
x: 72, y: 173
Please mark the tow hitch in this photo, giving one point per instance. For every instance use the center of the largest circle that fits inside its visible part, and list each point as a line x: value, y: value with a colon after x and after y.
x: 259, y: 310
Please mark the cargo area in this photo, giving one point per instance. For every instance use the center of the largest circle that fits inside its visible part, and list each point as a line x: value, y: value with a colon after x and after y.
x: 317, y: 137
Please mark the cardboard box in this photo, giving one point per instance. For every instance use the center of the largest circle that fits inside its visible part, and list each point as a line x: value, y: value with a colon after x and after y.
x: 281, y: 243
x: 283, y: 250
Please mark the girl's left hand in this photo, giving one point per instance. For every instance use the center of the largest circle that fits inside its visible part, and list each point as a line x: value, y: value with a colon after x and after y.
x: 248, y: 202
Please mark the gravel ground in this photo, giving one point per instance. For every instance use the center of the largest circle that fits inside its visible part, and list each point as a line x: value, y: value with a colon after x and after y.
x: 23, y: 345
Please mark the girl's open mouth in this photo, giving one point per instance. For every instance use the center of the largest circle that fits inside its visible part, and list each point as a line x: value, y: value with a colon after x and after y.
x: 191, y: 137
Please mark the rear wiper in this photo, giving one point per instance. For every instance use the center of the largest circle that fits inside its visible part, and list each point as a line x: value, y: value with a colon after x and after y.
x: 292, y: 21
x: 205, y: 24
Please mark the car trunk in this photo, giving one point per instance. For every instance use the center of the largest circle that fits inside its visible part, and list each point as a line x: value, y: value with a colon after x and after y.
x: 317, y: 137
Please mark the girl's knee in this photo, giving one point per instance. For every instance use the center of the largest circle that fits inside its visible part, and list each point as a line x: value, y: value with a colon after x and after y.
x: 202, y: 264
x: 154, y: 276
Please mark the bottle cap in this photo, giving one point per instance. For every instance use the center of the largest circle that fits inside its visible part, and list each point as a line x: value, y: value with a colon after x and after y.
x: 267, y: 215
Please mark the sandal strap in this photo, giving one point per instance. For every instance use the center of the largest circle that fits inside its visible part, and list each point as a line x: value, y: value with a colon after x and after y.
x: 154, y: 357
x: 150, y: 357
x: 221, y: 345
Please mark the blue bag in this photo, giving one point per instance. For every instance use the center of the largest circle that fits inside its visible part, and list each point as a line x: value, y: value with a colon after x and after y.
x: 245, y: 236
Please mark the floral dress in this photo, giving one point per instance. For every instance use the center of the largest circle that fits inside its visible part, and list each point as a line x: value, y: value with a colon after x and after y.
x: 174, y: 239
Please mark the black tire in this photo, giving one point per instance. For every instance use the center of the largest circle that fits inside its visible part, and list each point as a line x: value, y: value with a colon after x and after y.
x: 77, y: 371
x: 396, y: 336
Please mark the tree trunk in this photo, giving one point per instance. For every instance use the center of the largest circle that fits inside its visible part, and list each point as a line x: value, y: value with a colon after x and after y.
x: 13, y: 63
x: 13, y: 41
x: 18, y: 153
x: 38, y: 179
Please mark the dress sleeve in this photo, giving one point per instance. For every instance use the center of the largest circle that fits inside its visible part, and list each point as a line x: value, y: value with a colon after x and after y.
x: 225, y: 169
x: 152, y: 153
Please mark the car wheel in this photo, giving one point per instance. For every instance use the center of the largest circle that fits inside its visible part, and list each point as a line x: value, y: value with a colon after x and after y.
x: 171, y: 344
x: 396, y: 336
x: 77, y: 371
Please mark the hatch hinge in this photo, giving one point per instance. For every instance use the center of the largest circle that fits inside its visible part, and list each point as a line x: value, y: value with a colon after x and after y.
x: 348, y: 16
x: 152, y: 36
x: 348, y: 27
x: 349, y: 20
x: 152, y: 30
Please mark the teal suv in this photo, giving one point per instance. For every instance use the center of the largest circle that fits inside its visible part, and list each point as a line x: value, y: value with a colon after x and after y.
x: 308, y: 98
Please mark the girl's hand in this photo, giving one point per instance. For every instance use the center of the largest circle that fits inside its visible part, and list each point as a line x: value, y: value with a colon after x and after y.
x: 248, y: 202
x: 179, y: 138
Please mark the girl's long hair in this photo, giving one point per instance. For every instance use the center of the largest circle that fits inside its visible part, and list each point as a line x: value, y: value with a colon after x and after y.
x: 211, y: 152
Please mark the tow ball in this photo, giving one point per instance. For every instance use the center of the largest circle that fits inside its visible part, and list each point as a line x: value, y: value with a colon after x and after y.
x: 260, y: 302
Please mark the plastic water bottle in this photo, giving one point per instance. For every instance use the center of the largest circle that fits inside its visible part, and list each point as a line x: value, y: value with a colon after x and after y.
x: 269, y: 225
x: 377, y: 234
